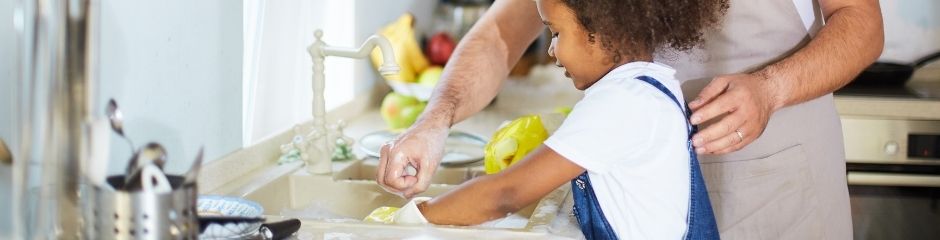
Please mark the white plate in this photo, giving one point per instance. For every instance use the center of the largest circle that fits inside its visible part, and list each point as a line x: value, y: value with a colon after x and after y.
x: 212, y: 205
x: 461, y: 148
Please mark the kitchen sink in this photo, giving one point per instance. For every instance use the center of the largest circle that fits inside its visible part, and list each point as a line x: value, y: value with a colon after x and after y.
x: 350, y: 194
x: 450, y: 175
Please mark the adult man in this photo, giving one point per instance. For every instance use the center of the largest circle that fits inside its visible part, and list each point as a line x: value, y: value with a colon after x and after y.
x: 773, y: 162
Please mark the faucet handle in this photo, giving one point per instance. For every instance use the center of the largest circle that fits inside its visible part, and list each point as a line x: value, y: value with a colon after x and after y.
x: 318, y: 34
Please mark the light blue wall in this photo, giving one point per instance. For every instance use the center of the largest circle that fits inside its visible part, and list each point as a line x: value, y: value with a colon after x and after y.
x: 175, y: 69
x: 7, y: 74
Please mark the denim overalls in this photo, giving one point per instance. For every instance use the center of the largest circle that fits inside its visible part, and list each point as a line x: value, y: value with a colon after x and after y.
x: 701, y: 220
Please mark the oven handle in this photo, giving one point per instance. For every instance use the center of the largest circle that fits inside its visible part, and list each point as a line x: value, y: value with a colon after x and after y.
x: 893, y: 179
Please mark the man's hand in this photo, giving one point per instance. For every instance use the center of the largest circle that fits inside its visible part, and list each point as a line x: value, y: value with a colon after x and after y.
x: 738, y: 107
x: 419, y: 147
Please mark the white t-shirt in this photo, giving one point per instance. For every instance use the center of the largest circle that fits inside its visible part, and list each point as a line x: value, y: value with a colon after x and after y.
x: 631, y: 138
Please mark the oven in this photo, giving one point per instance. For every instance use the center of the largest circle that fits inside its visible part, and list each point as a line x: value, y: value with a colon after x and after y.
x: 892, y: 162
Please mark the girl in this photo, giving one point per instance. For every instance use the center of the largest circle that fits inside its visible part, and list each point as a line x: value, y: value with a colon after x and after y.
x: 625, y: 146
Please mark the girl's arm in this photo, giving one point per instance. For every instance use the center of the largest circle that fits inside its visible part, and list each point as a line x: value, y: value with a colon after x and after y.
x: 495, y: 196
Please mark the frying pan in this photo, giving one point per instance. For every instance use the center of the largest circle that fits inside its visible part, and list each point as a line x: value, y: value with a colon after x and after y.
x: 891, y: 74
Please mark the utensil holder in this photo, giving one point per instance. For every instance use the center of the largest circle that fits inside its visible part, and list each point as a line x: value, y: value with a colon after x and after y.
x: 115, y: 214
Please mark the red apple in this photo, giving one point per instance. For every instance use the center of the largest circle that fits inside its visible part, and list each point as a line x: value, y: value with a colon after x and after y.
x: 439, y: 48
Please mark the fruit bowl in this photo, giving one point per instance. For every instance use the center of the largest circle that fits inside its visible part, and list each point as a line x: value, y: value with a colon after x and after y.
x: 420, y: 91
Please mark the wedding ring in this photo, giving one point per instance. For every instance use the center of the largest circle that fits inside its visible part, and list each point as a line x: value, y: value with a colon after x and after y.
x: 740, y: 136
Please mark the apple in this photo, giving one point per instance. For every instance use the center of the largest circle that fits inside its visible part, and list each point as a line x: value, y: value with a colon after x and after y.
x: 439, y: 48
x: 429, y: 77
x: 400, y: 111
x: 410, y: 114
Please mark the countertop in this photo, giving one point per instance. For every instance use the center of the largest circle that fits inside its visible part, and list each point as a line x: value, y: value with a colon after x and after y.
x: 925, y: 107
x: 252, y: 163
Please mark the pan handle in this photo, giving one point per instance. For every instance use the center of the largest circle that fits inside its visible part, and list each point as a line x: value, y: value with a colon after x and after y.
x: 926, y: 59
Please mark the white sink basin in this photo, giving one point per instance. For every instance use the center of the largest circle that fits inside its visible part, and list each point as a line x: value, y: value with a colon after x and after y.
x: 341, y: 201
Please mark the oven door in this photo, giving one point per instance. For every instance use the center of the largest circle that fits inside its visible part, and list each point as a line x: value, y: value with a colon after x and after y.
x: 894, y: 201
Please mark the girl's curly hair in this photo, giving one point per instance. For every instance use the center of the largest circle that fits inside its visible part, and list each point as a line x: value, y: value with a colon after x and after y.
x: 639, y: 27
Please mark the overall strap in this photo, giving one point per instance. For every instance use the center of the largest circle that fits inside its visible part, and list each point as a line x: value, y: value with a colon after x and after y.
x: 685, y: 110
x: 701, y: 217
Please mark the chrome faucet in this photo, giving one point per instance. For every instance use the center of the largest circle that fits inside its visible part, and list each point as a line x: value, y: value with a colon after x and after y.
x: 320, y: 143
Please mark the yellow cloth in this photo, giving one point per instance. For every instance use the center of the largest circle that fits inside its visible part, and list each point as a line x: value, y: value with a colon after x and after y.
x: 512, y: 142
x: 407, y: 214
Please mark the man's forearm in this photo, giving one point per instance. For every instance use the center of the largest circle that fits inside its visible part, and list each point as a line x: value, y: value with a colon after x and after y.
x: 481, y: 62
x: 852, y: 39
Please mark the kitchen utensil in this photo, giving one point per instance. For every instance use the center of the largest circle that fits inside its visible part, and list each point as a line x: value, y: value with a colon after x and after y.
x: 5, y: 156
x: 232, y: 223
x: 150, y: 153
x: 100, y: 149
x: 110, y: 214
x: 279, y: 230
x: 458, y: 16
x: 460, y: 148
x: 153, y: 180
x: 891, y: 74
x: 117, y: 121
x: 193, y: 174
x: 228, y: 217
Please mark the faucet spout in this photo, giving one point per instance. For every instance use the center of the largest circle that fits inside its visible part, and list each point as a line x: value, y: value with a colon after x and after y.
x: 319, y: 151
x: 389, y: 65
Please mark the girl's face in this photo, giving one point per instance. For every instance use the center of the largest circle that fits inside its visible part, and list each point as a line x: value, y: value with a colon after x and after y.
x: 584, y: 61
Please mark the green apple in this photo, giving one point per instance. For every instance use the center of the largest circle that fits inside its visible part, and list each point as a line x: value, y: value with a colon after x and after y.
x: 429, y: 77
x: 410, y: 114
x: 400, y: 111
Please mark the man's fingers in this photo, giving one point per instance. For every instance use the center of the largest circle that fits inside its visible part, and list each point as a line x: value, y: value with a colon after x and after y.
x: 383, y: 159
x: 725, y: 103
x: 722, y: 145
x: 727, y: 125
x: 414, y: 189
x: 712, y: 90
x: 739, y: 143
x: 423, y: 180
x: 395, y: 171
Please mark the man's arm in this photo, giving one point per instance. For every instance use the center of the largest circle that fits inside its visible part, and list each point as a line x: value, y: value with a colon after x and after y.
x: 494, y: 196
x: 852, y: 38
x: 471, y: 80
x: 482, y: 60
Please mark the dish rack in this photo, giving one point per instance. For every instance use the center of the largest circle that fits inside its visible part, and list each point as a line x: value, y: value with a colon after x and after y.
x: 111, y: 214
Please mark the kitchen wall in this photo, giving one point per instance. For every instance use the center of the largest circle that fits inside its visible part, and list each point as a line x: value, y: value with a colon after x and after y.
x: 912, y: 30
x: 175, y: 68
x: 8, y: 73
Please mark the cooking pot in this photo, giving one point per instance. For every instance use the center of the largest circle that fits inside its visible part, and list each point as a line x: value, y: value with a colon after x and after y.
x: 891, y: 74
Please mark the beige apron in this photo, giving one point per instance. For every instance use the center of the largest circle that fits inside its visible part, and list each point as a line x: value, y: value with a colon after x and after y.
x: 790, y: 183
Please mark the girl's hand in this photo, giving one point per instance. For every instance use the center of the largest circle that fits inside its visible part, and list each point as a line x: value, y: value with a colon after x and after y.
x: 738, y: 107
